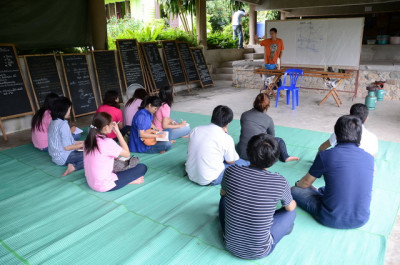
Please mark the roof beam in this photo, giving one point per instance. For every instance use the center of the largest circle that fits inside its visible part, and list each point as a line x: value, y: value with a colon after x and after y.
x: 290, y: 4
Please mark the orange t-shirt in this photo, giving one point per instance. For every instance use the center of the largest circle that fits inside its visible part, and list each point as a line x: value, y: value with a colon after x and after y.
x: 272, y: 50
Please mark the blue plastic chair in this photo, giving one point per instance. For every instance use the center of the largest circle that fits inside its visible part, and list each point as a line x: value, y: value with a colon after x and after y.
x: 295, y: 76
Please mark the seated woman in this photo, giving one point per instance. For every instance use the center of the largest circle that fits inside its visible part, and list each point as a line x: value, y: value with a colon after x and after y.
x: 162, y: 118
x: 251, y: 224
x: 256, y: 121
x: 111, y: 106
x: 62, y: 146
x: 40, y: 123
x: 100, y: 153
x: 141, y: 123
x: 131, y: 107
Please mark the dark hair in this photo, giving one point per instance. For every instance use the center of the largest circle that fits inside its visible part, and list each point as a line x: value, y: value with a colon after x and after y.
x: 36, y: 123
x: 263, y: 150
x: 153, y: 100
x: 222, y: 116
x: 110, y: 98
x: 360, y: 110
x: 167, y: 95
x: 274, y: 30
x: 60, y: 108
x: 261, y: 103
x: 348, y: 129
x: 100, y: 119
x: 242, y: 10
x: 140, y: 93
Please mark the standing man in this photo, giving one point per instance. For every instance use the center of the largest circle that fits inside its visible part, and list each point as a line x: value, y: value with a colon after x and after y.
x: 237, y: 27
x: 273, y: 47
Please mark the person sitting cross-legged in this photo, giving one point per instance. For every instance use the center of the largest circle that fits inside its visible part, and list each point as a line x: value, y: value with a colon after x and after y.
x: 211, y: 149
x: 348, y: 171
x: 250, y: 223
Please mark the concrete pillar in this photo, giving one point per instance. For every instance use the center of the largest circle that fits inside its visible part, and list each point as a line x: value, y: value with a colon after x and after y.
x: 201, y: 19
x: 97, y: 16
x: 283, y: 15
x: 252, y: 24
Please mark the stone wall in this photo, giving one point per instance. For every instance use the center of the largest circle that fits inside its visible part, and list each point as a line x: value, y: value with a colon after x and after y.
x: 243, y: 77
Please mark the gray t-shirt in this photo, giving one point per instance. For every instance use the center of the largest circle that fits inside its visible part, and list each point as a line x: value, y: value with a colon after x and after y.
x: 253, y: 122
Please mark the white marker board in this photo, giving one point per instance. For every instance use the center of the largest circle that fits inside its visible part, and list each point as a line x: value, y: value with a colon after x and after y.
x: 320, y: 42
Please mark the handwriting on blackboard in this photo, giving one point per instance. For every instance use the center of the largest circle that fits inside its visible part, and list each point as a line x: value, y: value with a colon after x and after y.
x: 174, y: 62
x: 155, y: 64
x: 130, y: 58
x: 44, y: 76
x: 201, y: 65
x: 14, y: 99
x: 188, y: 62
x: 106, y: 72
x: 79, y: 84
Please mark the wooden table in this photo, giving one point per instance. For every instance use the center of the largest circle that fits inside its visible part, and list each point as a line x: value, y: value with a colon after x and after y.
x: 310, y: 73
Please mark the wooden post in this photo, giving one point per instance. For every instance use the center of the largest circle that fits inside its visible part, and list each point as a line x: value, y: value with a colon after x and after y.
x: 201, y: 22
x: 97, y: 16
x: 252, y: 24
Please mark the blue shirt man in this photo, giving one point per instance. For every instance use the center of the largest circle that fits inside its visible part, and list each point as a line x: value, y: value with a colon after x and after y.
x: 348, y: 170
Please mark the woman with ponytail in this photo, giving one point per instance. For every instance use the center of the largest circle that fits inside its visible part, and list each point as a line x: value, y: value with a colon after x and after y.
x: 100, y: 153
x: 141, y: 123
x: 40, y: 123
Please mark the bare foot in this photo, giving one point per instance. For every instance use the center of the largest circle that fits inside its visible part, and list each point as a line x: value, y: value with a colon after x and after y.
x: 138, y: 181
x: 186, y: 136
x: 173, y: 141
x: 292, y: 158
x: 70, y: 169
x: 162, y: 152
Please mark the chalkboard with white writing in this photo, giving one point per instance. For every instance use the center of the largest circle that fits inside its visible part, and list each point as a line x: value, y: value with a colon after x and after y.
x: 173, y: 62
x: 14, y: 99
x: 44, y: 77
x: 106, y: 72
x: 188, y: 62
x: 155, y: 65
x: 201, y: 65
x: 79, y: 84
x: 130, y: 58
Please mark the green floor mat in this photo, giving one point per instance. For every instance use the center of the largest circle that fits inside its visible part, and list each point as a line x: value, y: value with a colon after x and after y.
x: 46, y: 219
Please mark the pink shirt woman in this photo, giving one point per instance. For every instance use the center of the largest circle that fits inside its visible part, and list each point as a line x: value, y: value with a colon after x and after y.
x: 39, y: 137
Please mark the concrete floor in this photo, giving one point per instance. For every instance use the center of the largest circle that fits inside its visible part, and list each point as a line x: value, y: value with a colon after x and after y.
x: 384, y: 122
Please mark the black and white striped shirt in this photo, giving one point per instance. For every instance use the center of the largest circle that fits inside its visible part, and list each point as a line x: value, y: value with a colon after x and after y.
x: 252, y: 195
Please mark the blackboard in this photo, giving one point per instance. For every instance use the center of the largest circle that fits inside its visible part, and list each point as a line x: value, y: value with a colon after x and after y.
x: 79, y: 84
x: 173, y: 62
x: 202, y: 68
x: 44, y: 77
x: 106, y: 72
x: 131, y: 61
x: 14, y: 98
x: 155, y: 65
x: 188, y: 63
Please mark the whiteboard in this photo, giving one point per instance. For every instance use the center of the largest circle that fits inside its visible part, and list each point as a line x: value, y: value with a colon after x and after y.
x: 320, y: 42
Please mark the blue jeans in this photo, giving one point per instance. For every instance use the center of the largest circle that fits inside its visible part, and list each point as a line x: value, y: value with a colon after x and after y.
x: 282, y: 225
x: 240, y: 162
x: 178, y: 132
x: 76, y: 136
x: 309, y: 199
x: 129, y: 175
x: 283, y: 154
x: 76, y: 159
x: 237, y: 32
x: 159, y: 147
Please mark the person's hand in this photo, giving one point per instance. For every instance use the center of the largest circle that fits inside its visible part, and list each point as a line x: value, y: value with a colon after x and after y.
x: 225, y: 129
x: 114, y: 127
x: 79, y: 144
x: 183, y: 124
x: 161, y: 135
